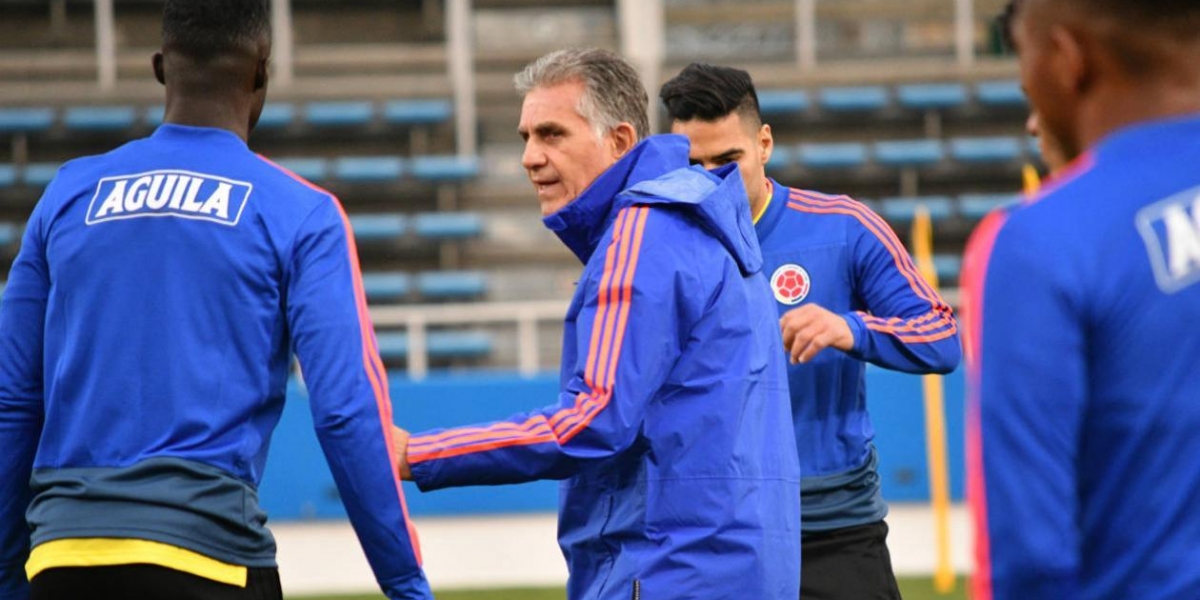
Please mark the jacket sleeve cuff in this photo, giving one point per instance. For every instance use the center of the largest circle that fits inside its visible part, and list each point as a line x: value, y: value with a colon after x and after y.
x: 859, y: 330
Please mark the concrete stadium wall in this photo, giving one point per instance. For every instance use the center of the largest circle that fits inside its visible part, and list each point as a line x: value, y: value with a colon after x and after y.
x: 298, y: 485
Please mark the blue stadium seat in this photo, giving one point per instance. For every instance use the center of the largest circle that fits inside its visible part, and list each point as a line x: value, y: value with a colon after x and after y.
x: 25, y: 119
x: 977, y: 206
x: 903, y: 153
x: 439, y: 344
x: 904, y: 209
x: 832, y: 156
x: 417, y: 112
x: 947, y: 266
x: 458, y: 225
x: 153, y: 116
x: 782, y: 102
x: 928, y: 96
x: 377, y: 227
x: 339, y: 114
x: 443, y: 285
x: 385, y: 287
x: 854, y: 99
x: 985, y: 149
x: 275, y: 115
x: 366, y: 169
x: 8, y: 176
x: 312, y: 169
x: 9, y: 233
x: 99, y: 118
x: 39, y: 174
x: 445, y: 168
x: 1033, y: 147
x: 782, y: 157
x: 1000, y: 93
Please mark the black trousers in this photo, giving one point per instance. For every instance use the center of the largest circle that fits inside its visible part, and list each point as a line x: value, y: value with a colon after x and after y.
x: 847, y: 564
x: 149, y: 582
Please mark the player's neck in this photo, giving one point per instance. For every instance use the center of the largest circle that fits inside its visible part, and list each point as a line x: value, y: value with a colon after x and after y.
x: 229, y: 111
x: 1127, y: 105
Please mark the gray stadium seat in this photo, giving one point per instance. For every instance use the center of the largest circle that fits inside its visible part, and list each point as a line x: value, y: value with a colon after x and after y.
x: 14, y: 120
x: 39, y: 174
x: 458, y: 225
x: 901, y: 153
x: 312, y: 169
x: 832, y: 156
x: 1006, y: 93
x: 928, y: 96
x: 376, y: 227
x: 417, y: 112
x: 445, y: 168
x: 904, y: 209
x: 8, y: 176
x: 782, y: 102
x: 977, y: 206
x: 985, y: 149
x: 339, y: 114
x: 367, y: 169
x: 99, y: 118
x: 854, y: 99
x: 444, y: 285
x: 439, y: 344
x: 386, y: 287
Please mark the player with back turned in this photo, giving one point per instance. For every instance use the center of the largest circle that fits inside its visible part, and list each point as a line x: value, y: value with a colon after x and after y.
x: 145, y: 340
x: 1085, y: 399
x: 847, y: 294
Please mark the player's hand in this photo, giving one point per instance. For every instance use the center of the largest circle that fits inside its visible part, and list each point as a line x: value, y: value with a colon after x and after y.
x: 400, y: 449
x: 810, y: 329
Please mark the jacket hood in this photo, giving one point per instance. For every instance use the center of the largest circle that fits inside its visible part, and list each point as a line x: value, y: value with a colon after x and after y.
x: 656, y: 172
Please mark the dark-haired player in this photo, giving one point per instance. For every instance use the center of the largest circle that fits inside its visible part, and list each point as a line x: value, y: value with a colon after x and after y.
x: 847, y: 294
x: 145, y: 337
x: 1086, y: 404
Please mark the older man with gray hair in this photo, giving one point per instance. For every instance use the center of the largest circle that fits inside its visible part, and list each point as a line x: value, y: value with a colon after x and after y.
x: 672, y: 429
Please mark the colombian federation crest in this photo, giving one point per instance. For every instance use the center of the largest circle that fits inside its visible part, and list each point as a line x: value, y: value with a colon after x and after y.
x: 790, y: 284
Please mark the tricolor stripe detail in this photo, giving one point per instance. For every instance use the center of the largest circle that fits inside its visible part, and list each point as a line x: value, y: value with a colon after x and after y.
x: 938, y: 323
x: 372, y: 364
x: 614, y: 300
x: 975, y: 262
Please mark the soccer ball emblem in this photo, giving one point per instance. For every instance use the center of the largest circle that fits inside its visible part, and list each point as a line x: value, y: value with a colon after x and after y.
x: 790, y: 284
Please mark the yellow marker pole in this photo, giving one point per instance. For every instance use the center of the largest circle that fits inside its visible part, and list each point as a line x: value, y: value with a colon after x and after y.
x: 935, y: 421
x: 1029, y: 177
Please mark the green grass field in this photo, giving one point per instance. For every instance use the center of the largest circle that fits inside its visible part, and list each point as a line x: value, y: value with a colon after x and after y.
x: 912, y: 588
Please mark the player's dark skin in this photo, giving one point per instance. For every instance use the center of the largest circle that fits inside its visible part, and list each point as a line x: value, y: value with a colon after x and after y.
x: 226, y: 90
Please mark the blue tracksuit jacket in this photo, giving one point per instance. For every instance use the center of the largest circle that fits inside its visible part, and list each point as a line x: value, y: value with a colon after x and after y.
x: 145, y: 339
x: 672, y: 428
x: 838, y: 254
x: 1086, y: 404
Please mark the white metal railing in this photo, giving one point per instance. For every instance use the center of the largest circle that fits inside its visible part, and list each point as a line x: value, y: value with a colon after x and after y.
x: 416, y: 320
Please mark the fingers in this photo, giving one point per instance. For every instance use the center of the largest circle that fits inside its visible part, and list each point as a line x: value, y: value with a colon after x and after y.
x: 808, y: 330
x: 400, y: 451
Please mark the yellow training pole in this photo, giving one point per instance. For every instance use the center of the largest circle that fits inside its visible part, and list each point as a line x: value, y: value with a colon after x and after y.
x: 935, y: 421
x: 1029, y: 177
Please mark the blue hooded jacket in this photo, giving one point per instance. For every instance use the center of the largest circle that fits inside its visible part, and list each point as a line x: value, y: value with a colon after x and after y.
x: 672, y: 431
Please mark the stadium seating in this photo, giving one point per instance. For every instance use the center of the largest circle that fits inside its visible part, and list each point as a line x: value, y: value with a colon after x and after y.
x: 904, y: 209
x: 929, y: 96
x: 8, y: 176
x: 10, y: 233
x: 782, y: 102
x: 445, y: 168
x: 386, y: 287
x: 448, y: 226
x: 378, y: 227
x: 832, y: 155
x: 451, y: 285
x: 977, y: 206
x: 438, y: 345
x: 99, y: 118
x: 368, y: 169
x: 947, y: 267
x: 14, y: 120
x: 854, y: 98
x: 985, y: 149
x: 312, y: 169
x: 1001, y: 94
x: 39, y: 174
x: 417, y: 112
x: 339, y: 114
x: 781, y: 157
x: 903, y: 153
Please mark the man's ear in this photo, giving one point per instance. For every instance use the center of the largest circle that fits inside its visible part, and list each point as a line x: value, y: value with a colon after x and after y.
x: 624, y: 138
x: 260, y: 74
x: 1071, y: 65
x: 766, y: 143
x: 157, y: 63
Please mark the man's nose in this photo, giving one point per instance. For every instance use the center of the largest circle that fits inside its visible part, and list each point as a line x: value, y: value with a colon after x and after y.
x: 533, y: 156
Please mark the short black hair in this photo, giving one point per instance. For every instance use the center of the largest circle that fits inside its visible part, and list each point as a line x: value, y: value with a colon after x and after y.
x: 1004, y: 22
x: 710, y: 93
x: 203, y: 29
x: 1179, y: 19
